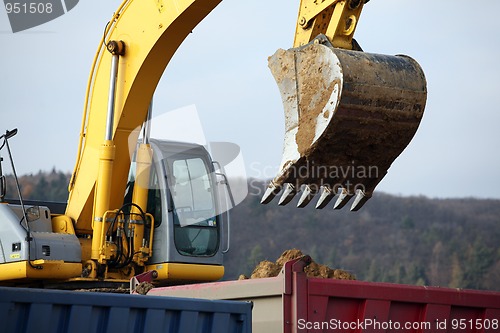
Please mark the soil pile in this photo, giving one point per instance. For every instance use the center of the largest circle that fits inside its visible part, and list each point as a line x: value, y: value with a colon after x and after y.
x: 267, y: 268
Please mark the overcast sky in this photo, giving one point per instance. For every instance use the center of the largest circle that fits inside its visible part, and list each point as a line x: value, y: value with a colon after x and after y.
x: 221, y: 69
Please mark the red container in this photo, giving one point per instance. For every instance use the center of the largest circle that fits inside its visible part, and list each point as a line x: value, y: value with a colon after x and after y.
x: 292, y: 302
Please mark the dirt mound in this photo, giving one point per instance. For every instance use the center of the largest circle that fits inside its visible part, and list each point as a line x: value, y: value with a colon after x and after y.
x: 267, y: 268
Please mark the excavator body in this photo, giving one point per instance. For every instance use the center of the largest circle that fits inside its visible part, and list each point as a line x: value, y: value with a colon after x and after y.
x: 184, y: 238
x: 348, y: 115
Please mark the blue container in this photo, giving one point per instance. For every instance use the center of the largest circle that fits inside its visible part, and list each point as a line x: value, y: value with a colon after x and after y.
x: 41, y: 311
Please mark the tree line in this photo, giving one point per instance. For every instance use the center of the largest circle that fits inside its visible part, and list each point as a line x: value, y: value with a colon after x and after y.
x: 410, y: 240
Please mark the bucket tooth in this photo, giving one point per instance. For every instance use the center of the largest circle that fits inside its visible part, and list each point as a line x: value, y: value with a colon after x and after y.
x: 359, y: 201
x: 343, y: 199
x: 326, y: 196
x: 306, y: 197
x: 271, y: 191
x: 288, y: 194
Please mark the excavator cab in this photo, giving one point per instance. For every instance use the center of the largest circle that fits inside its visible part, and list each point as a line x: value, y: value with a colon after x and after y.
x: 190, y: 218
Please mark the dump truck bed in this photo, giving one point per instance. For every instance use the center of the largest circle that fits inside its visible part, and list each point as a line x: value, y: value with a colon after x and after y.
x: 42, y: 310
x: 293, y: 302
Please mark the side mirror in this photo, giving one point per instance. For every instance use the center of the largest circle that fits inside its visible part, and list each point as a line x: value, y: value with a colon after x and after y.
x: 10, y: 134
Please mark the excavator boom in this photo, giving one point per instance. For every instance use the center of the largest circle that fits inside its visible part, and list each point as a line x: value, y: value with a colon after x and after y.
x: 151, y: 31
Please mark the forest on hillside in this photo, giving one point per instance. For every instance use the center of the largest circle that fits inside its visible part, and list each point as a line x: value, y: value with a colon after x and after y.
x: 411, y: 240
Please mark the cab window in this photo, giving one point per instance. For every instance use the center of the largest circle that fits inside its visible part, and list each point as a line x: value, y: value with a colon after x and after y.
x: 194, y: 207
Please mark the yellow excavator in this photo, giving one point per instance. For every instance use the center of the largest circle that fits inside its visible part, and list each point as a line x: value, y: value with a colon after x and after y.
x: 348, y: 115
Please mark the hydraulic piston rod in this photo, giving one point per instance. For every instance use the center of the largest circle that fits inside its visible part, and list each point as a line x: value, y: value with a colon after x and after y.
x: 106, y: 158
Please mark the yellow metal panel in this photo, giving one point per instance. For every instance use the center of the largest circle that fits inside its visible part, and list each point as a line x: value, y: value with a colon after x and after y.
x: 55, y: 270
x: 103, y: 196
x: 337, y: 19
x: 86, y: 246
x: 62, y: 224
x: 140, y: 197
x: 187, y: 272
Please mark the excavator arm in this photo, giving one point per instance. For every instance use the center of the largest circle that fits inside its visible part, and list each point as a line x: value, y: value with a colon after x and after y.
x: 151, y: 32
x: 336, y: 19
x: 348, y: 114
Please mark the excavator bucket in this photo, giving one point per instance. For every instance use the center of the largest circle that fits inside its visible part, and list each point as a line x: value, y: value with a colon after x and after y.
x: 348, y: 116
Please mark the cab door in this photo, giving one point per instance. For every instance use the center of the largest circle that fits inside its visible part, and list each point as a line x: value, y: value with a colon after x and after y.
x: 188, y: 220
